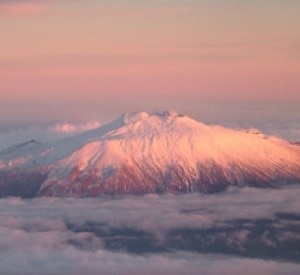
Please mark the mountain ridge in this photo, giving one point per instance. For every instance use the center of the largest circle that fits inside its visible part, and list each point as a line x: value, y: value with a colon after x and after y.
x: 161, y: 152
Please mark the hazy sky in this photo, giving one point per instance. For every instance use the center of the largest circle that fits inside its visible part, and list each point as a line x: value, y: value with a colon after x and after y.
x: 81, y: 60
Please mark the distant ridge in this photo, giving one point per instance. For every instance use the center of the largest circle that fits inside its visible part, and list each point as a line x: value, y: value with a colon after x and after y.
x: 20, y: 146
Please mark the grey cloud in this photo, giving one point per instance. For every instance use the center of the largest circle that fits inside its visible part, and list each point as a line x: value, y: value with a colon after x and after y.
x: 152, y: 234
x: 102, y: 262
x: 274, y: 118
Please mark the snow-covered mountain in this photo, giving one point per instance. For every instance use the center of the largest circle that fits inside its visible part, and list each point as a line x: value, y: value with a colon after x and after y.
x: 141, y: 153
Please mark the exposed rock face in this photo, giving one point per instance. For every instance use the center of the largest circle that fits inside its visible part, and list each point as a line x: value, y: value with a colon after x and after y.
x: 149, y: 153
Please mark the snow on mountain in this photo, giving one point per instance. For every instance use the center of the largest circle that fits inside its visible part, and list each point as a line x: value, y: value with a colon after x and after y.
x: 140, y: 153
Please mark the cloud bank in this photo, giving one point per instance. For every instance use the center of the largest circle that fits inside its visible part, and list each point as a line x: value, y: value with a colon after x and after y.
x: 173, y: 234
x: 45, y: 134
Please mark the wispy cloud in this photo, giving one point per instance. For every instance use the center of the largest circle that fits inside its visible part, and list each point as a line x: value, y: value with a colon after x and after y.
x: 142, y: 11
x: 22, y: 8
x: 19, y: 8
x: 73, y: 128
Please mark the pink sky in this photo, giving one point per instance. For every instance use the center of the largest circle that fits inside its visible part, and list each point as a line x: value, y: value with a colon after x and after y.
x: 95, y: 55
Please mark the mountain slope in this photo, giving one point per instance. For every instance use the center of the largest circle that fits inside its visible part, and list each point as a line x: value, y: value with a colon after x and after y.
x: 140, y: 153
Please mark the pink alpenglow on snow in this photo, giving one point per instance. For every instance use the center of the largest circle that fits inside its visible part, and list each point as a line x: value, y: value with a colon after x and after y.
x: 142, y: 153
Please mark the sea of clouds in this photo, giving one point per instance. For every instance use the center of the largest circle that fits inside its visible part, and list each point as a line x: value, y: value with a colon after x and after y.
x: 241, y: 231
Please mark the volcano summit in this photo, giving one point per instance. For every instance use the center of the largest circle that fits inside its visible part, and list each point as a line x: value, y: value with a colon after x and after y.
x: 142, y: 153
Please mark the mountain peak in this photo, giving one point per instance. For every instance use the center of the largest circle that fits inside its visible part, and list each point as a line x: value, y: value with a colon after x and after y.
x: 140, y: 116
x: 152, y: 152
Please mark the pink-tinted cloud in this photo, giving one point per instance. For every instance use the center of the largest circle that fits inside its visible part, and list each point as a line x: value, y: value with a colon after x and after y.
x: 73, y: 128
x: 20, y: 9
x: 142, y: 11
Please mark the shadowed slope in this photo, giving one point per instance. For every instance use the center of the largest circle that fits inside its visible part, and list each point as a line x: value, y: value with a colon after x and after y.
x: 162, y: 152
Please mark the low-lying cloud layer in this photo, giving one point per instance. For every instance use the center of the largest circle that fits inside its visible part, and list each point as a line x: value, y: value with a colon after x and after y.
x: 172, y: 234
x: 44, y: 134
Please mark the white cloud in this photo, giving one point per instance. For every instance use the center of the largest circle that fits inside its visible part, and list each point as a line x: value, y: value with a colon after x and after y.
x: 44, y: 134
x: 73, y: 128
x: 71, y: 261
x: 92, y: 236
